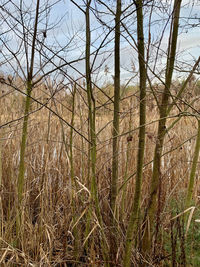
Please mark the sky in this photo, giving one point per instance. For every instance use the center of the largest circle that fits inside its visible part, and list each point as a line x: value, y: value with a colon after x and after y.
x: 71, y: 30
x: 188, y: 41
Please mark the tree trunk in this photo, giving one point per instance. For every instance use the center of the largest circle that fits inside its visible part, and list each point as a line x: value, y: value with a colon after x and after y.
x: 152, y: 204
x: 114, y: 179
x: 92, y: 133
x: 113, y: 193
x: 193, y: 170
x: 20, y: 186
x: 141, y: 146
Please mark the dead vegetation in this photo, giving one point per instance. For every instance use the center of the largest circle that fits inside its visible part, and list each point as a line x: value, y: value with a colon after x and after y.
x: 55, y: 204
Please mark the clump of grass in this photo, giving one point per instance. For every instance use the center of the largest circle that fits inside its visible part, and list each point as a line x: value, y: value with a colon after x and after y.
x: 49, y: 216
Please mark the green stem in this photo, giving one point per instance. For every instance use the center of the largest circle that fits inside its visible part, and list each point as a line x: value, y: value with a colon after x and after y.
x: 113, y: 193
x: 23, y: 144
x: 92, y: 131
x: 193, y: 169
x: 141, y: 146
x: 20, y: 185
x: 151, y: 209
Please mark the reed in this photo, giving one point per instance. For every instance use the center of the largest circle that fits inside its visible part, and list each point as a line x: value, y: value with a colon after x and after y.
x: 54, y: 226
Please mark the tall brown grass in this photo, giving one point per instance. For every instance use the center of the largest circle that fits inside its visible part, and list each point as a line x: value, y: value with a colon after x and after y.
x: 49, y: 216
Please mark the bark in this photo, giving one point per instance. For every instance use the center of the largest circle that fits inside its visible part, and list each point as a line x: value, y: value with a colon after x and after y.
x: 141, y: 146
x: 91, y: 113
x: 152, y: 205
x: 113, y: 193
x: 115, y: 145
x: 71, y: 157
x: 193, y: 169
x: 20, y: 186
x: 92, y: 133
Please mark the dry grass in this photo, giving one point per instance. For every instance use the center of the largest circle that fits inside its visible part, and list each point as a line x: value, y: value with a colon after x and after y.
x: 54, y: 210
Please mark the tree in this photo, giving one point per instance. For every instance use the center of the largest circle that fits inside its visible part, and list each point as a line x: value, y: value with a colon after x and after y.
x: 141, y: 145
x: 31, y: 51
x: 95, y: 187
x: 115, y: 146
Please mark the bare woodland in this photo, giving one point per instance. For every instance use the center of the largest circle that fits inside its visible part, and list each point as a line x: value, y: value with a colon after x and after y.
x: 99, y: 133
